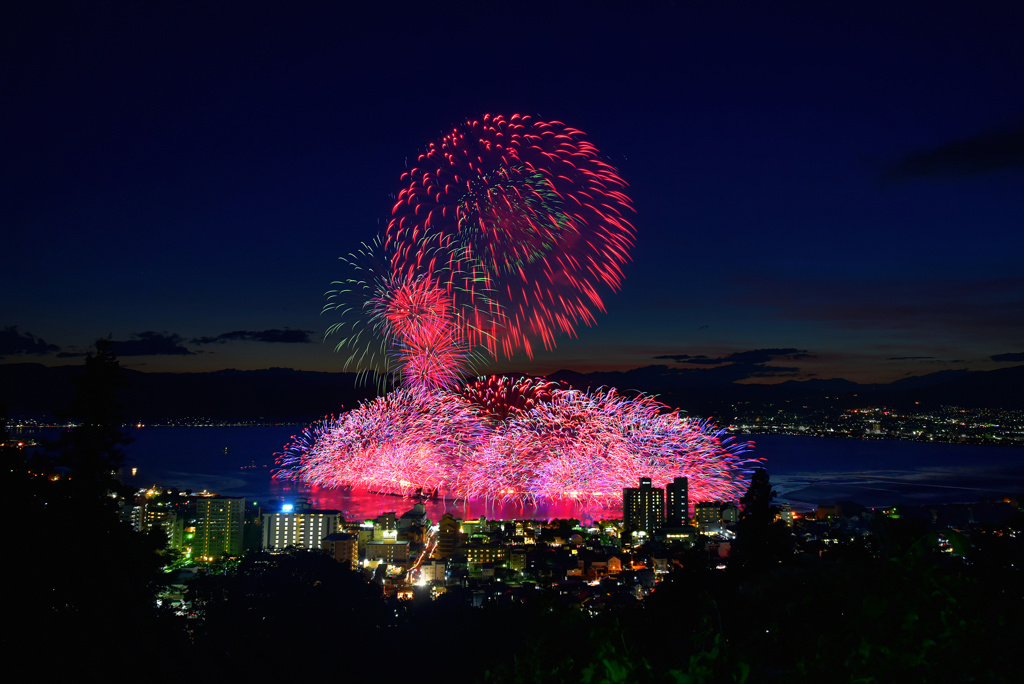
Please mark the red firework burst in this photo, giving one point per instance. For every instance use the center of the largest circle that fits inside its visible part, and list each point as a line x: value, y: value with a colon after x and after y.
x: 523, y: 209
x: 500, y: 396
x: 413, y: 309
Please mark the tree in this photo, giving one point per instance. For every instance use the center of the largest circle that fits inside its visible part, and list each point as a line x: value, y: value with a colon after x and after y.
x: 85, y: 579
x: 757, y: 502
x: 761, y: 540
x: 93, y: 449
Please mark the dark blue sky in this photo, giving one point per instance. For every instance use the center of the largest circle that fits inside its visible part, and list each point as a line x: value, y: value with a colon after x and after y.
x: 841, y: 184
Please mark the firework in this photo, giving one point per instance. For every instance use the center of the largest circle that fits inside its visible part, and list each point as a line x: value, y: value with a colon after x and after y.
x: 589, y: 446
x: 583, y: 447
x: 350, y: 301
x: 394, y: 444
x: 428, y: 363
x: 502, y: 237
x: 525, y: 209
x: 499, y: 396
x: 387, y: 320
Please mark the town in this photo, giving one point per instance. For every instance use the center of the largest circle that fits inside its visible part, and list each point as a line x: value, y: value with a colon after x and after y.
x: 593, y: 565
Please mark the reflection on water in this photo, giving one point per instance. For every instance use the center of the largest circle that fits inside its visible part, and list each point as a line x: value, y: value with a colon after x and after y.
x: 363, y: 505
x: 805, y: 471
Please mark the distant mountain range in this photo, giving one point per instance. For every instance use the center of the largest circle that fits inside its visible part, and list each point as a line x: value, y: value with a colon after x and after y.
x: 699, y: 394
x: 274, y: 394
x: 281, y: 394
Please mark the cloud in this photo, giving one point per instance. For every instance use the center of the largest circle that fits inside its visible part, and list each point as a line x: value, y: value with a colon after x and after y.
x: 151, y: 343
x: 286, y: 336
x: 766, y: 355
x: 978, y: 154
x: 743, y: 365
x: 686, y: 358
x: 909, y: 358
x: 754, y: 356
x: 14, y: 342
x: 1012, y: 356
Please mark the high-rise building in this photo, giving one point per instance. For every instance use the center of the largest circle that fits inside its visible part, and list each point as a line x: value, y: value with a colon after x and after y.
x: 219, y: 522
x: 677, y: 502
x: 643, y: 508
x: 303, y: 529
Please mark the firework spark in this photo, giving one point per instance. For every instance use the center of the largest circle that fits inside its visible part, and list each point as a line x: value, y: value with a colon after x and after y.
x: 524, y: 208
x: 583, y: 447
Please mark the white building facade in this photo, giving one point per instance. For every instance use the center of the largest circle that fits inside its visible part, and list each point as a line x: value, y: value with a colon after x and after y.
x: 302, y: 529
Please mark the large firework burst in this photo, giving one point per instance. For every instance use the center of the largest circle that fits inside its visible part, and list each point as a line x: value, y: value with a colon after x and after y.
x: 524, y: 208
x: 395, y: 444
x: 583, y: 447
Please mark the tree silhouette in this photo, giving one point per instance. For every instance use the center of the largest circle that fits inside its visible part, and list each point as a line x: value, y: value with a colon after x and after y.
x: 85, y: 579
x: 761, y: 540
x: 93, y: 449
x: 757, y: 502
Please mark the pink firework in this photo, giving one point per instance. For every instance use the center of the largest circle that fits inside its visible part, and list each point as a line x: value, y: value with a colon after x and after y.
x: 503, y: 237
x: 499, y: 396
x: 412, y: 308
x: 394, y: 444
x: 435, y: 362
x: 587, y: 447
x: 584, y: 447
x: 525, y: 209
x: 426, y: 347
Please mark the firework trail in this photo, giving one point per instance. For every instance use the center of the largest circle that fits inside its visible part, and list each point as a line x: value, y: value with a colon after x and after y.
x: 387, y: 320
x: 525, y: 209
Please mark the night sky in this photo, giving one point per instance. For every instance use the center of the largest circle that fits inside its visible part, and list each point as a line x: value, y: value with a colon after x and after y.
x: 822, y: 189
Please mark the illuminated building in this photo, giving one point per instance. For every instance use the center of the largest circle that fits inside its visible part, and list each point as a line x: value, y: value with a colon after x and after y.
x: 149, y: 515
x: 433, y: 571
x: 385, y: 528
x: 447, y: 536
x: 730, y: 513
x: 707, y: 513
x: 786, y: 513
x: 517, y: 559
x: 677, y: 502
x: 643, y: 507
x: 219, y: 527
x: 304, y: 529
x: 343, y: 547
x: 391, y: 552
x: 478, y: 554
x: 384, y: 546
x: 474, y: 528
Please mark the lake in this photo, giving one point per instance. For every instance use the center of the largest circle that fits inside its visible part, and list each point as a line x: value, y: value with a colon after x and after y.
x: 805, y: 471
